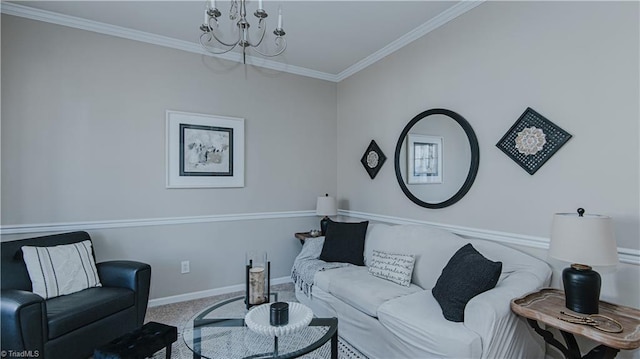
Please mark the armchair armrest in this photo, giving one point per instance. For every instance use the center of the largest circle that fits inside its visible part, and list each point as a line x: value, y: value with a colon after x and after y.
x: 22, y: 320
x: 131, y: 275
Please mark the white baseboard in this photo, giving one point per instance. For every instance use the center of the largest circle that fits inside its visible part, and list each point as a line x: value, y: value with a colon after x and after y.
x: 208, y: 293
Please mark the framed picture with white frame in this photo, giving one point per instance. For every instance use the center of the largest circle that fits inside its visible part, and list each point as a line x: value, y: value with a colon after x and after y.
x: 204, y: 150
x: 424, y: 159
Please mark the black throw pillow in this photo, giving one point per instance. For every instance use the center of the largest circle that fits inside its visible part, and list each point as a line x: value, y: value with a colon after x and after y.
x: 467, y: 274
x: 344, y: 242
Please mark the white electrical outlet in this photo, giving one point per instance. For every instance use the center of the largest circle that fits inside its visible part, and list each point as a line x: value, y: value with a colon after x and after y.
x: 184, y: 267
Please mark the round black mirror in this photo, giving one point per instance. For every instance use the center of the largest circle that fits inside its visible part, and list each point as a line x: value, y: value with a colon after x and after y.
x: 437, y: 158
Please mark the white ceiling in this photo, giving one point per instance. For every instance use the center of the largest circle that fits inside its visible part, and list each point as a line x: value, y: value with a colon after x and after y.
x: 326, y: 39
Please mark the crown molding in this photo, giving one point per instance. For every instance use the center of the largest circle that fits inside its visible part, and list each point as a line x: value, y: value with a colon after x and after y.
x: 442, y: 18
x: 136, y: 35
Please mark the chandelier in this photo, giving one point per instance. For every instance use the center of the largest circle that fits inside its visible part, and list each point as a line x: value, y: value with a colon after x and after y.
x: 211, y: 40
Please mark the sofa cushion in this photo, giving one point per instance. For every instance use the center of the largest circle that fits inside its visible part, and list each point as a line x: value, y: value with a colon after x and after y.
x: 467, y: 274
x: 73, y: 311
x: 431, y: 246
x: 62, y: 269
x: 415, y: 320
x: 344, y: 242
x: 356, y: 287
x: 392, y: 266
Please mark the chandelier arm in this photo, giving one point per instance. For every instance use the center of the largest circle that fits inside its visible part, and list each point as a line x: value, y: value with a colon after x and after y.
x: 212, y: 33
x: 264, y: 30
x: 284, y: 47
x: 209, y: 48
x: 217, y: 47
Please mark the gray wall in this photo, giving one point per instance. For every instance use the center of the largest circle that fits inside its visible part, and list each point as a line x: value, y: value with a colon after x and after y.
x: 83, y: 138
x: 83, y: 142
x: 574, y: 62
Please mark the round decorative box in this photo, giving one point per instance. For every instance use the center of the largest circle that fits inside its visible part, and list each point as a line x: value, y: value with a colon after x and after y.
x: 279, y: 314
x: 259, y: 319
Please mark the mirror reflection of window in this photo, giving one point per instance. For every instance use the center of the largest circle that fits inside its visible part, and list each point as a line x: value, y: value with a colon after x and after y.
x: 426, y: 159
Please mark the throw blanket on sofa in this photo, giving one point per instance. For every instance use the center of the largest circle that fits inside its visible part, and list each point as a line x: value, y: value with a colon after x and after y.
x: 307, y: 264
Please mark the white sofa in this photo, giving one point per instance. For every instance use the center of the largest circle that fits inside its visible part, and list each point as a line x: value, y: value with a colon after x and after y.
x: 386, y: 320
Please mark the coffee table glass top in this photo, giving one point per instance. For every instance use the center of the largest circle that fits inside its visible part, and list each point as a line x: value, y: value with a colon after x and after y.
x: 220, y: 332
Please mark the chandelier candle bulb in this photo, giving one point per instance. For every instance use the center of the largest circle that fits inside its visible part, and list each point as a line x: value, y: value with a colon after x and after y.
x: 259, y: 4
x: 279, y: 18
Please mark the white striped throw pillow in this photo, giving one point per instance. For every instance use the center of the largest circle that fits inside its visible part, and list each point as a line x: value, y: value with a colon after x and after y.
x: 60, y: 270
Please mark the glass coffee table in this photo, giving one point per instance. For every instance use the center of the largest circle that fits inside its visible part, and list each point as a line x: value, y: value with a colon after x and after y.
x: 220, y: 332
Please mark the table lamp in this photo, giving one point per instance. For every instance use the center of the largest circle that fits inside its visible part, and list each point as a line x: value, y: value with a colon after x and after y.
x: 584, y: 240
x: 325, y: 206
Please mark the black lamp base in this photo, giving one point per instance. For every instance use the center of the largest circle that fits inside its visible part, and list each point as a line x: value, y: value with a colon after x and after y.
x: 323, y: 225
x: 581, y: 288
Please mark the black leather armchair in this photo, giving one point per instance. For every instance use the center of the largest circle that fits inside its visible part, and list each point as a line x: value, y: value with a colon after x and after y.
x: 69, y: 326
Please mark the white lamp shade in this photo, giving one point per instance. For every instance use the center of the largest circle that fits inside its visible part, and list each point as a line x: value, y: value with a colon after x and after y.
x: 326, y: 206
x: 585, y: 240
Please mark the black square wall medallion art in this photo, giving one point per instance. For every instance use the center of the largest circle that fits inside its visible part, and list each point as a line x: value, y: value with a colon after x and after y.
x: 532, y: 140
x: 373, y: 159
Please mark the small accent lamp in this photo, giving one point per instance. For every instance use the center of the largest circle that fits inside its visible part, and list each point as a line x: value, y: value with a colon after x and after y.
x: 326, y: 206
x: 583, y: 240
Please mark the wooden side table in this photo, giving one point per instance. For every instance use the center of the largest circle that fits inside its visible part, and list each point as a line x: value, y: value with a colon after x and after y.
x: 302, y: 236
x: 545, y: 306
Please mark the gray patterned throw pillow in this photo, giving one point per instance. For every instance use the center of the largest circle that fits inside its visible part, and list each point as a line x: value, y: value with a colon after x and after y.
x: 397, y: 268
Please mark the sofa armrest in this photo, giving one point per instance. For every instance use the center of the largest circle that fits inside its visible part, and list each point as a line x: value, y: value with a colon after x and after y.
x: 22, y: 321
x: 128, y: 274
x: 489, y: 314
